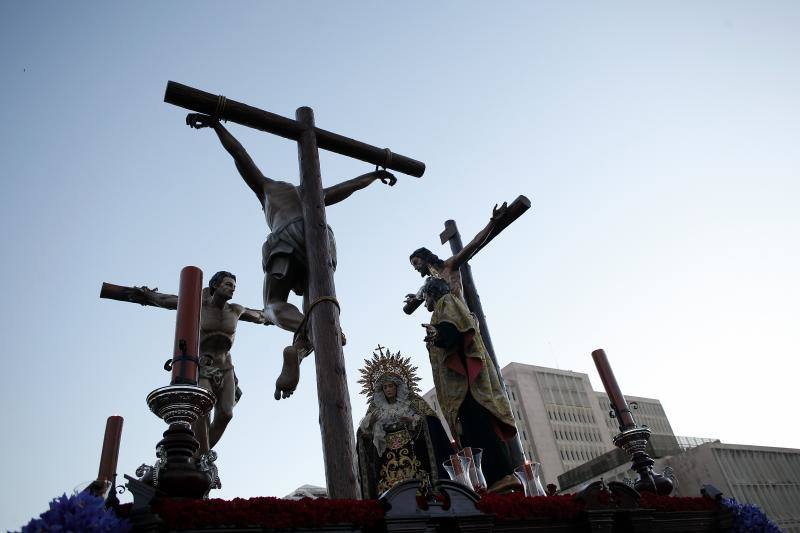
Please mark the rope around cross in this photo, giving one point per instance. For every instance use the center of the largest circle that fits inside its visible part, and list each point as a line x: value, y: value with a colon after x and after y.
x: 302, y: 328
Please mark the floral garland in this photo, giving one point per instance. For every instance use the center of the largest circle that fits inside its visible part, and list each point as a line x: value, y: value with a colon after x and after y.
x: 516, y: 506
x: 268, y: 512
x: 80, y: 512
x: 84, y: 512
x: 648, y: 500
x: 277, y: 513
x: 748, y: 517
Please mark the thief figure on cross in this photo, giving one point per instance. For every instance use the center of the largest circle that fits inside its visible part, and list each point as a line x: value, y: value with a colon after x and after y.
x: 284, y: 258
x: 218, y: 321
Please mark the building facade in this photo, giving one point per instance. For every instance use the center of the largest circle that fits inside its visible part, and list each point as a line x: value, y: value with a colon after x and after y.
x: 764, y: 476
x: 647, y: 412
x: 691, y: 442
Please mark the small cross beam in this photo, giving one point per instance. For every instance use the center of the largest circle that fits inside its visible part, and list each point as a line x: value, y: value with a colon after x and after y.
x: 153, y: 298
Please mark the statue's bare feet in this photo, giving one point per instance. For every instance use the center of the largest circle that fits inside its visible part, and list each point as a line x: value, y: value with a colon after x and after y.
x: 290, y: 374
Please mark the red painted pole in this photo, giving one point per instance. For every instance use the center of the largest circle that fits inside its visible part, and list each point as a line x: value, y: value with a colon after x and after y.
x: 187, y: 328
x: 110, y: 453
x: 618, y: 402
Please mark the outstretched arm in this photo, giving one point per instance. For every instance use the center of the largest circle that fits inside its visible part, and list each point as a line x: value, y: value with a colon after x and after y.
x: 256, y: 316
x: 478, y: 241
x: 245, y: 314
x: 244, y: 163
x: 339, y: 192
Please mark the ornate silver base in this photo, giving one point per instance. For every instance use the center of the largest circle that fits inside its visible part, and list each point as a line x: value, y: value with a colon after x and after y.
x: 634, y: 442
x: 177, y: 473
x: 180, y: 404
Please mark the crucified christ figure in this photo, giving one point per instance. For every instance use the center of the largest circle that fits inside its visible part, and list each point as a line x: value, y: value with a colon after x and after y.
x: 428, y: 264
x: 283, y: 254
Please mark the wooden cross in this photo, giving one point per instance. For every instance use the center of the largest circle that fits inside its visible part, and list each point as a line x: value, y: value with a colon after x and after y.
x: 473, y: 300
x: 335, y: 416
x: 153, y: 298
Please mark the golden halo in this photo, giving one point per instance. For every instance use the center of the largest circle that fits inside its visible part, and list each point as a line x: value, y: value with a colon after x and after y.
x: 385, y: 362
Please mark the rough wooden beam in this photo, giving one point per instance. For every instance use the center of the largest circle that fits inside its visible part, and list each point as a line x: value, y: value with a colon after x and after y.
x: 207, y: 103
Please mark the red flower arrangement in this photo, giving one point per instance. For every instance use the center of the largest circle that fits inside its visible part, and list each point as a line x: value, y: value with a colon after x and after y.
x: 516, y: 506
x: 649, y: 500
x: 268, y: 512
x: 276, y: 513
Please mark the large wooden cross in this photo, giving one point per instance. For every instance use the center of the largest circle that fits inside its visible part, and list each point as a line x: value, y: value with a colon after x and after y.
x: 335, y: 416
x: 452, y: 235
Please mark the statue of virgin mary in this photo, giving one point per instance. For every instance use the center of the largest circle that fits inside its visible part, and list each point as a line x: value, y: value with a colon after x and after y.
x: 400, y: 437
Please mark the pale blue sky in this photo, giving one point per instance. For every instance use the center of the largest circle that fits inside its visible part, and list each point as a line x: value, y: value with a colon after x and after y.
x: 658, y: 143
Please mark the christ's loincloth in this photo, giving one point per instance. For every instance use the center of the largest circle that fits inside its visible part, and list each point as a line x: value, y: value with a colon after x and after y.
x: 284, y: 254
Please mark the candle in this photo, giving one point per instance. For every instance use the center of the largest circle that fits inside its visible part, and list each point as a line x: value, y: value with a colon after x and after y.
x: 456, y: 461
x: 187, y: 328
x: 110, y: 453
x: 618, y: 402
x: 528, y: 470
x: 473, y: 469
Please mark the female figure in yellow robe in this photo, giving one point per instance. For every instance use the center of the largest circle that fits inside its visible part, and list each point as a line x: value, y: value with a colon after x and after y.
x: 467, y: 385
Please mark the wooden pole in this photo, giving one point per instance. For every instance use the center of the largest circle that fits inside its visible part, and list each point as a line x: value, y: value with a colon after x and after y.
x: 110, y: 453
x: 618, y: 402
x: 186, y: 352
x: 211, y: 104
x: 335, y: 416
x: 474, y: 303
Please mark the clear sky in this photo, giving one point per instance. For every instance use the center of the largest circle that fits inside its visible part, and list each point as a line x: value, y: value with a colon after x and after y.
x: 657, y: 142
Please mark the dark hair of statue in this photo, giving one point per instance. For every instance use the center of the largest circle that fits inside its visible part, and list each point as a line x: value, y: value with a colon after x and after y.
x: 436, y: 288
x: 217, y: 278
x: 427, y: 256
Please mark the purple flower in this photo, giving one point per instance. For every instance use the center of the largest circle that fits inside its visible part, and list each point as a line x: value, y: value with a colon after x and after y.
x: 749, y: 518
x: 78, y: 513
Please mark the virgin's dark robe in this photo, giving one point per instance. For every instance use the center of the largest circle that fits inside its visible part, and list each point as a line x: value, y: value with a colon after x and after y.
x: 415, y: 452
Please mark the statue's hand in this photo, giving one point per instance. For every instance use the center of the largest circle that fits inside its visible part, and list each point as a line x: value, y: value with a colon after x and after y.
x: 198, y: 120
x: 142, y: 294
x: 498, y: 212
x: 410, y: 298
x: 385, y: 177
x: 430, y: 333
